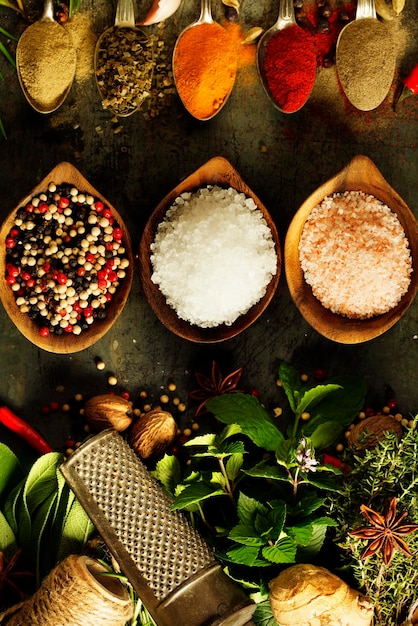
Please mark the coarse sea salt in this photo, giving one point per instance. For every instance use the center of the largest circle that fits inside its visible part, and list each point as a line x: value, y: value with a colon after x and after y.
x: 355, y: 255
x: 213, y: 256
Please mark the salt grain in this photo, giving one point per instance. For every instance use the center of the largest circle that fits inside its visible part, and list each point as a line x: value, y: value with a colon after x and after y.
x: 355, y: 255
x: 213, y: 256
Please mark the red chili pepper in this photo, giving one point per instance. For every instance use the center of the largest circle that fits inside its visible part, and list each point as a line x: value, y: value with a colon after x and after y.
x: 408, y: 87
x: 24, y: 430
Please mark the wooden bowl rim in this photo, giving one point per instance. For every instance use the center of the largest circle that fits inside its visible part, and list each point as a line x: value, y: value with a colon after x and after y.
x: 360, y: 174
x: 65, y: 172
x: 216, y: 171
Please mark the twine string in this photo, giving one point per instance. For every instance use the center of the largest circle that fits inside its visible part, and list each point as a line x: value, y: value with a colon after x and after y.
x: 75, y: 593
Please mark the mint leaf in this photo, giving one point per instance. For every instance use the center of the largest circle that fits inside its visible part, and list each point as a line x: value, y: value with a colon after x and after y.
x: 195, y: 493
x: 291, y: 383
x: 8, y: 543
x: 246, y: 534
x: 284, y: 551
x: 246, y: 555
x: 325, y: 435
x: 263, y: 615
x: 285, y: 452
x: 168, y: 472
x: 248, y: 508
x: 314, y: 396
x: 323, y: 481
x: 264, y: 470
x: 301, y: 533
x: 246, y: 411
x: 233, y: 466
x: 306, y: 505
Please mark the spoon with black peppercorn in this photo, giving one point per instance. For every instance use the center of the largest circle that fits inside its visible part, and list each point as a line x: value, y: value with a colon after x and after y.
x: 45, y: 62
x: 285, y: 53
x: 366, y: 58
x: 124, y: 63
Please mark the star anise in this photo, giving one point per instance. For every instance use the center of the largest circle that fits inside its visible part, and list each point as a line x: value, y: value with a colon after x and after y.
x: 385, y: 532
x: 9, y: 574
x: 216, y: 385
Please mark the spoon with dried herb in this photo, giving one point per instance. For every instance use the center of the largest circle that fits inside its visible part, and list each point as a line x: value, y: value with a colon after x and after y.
x: 45, y: 62
x: 366, y: 58
x: 124, y: 63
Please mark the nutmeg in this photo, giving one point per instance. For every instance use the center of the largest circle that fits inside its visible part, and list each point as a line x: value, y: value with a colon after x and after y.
x: 108, y: 411
x: 369, y: 431
x: 151, y: 435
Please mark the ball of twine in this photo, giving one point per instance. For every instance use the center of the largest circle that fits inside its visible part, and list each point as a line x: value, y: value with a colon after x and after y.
x: 75, y: 593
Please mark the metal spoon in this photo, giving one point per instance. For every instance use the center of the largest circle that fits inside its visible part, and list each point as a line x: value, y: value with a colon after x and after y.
x: 130, y: 48
x: 375, y: 57
x: 204, y: 18
x: 46, y: 62
x: 285, y: 19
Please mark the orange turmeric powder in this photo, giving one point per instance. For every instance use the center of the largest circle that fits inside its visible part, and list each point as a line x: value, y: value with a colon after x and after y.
x: 204, y: 68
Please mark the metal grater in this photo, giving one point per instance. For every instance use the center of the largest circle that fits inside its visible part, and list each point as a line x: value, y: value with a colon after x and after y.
x: 172, y: 569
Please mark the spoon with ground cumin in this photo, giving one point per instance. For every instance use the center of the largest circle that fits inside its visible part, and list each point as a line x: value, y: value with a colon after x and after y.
x: 366, y: 58
x: 286, y: 61
x: 45, y: 62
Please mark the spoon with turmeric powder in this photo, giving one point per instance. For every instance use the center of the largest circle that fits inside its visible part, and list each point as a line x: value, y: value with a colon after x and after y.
x: 204, y: 65
x: 45, y: 62
x: 286, y: 61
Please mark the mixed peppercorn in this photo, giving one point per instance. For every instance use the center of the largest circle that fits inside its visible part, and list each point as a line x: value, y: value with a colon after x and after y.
x: 65, y: 259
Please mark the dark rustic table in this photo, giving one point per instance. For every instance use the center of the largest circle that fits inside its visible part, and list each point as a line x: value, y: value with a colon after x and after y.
x: 136, y: 161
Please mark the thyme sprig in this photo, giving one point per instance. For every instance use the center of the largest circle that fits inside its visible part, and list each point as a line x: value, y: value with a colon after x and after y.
x: 389, y: 470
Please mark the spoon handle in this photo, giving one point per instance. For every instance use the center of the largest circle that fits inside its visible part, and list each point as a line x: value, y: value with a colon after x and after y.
x: 205, y: 12
x: 48, y: 12
x: 365, y: 9
x: 286, y: 14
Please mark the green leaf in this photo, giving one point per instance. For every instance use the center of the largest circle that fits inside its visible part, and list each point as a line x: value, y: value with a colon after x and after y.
x: 284, y: 551
x: 229, y: 431
x: 233, y: 466
x: 41, y: 480
x: 11, y: 470
x: 246, y: 534
x: 246, y: 411
x: 248, y: 508
x: 291, y: 383
x: 319, y: 531
x: 11, y: 505
x: 314, y: 396
x: 217, y: 478
x: 301, y: 533
x: 195, y: 493
x: 323, y: 480
x: 246, y: 555
x: 265, y: 470
x: 306, y: 505
x: 41, y: 547
x: 325, y: 435
x: 8, y: 543
x: 263, y: 614
x: 76, y: 531
x: 285, y: 452
x: 168, y: 473
x: 202, y: 440
x: 342, y: 406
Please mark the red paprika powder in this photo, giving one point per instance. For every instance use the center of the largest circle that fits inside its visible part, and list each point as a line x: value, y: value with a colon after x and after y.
x: 290, y: 67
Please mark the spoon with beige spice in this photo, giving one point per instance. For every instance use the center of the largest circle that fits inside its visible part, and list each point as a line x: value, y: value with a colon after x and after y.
x: 46, y: 62
x: 366, y: 58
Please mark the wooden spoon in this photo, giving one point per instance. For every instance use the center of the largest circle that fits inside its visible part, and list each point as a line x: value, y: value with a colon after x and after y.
x: 65, y: 343
x: 217, y: 171
x: 359, y: 175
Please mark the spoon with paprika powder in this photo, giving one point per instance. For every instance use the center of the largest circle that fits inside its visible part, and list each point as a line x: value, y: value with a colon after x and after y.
x: 286, y: 61
x: 366, y: 58
x: 45, y: 62
x: 204, y: 65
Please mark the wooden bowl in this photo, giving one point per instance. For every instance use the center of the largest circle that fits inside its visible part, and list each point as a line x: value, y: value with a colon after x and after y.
x: 217, y: 171
x: 359, y: 175
x: 67, y: 342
